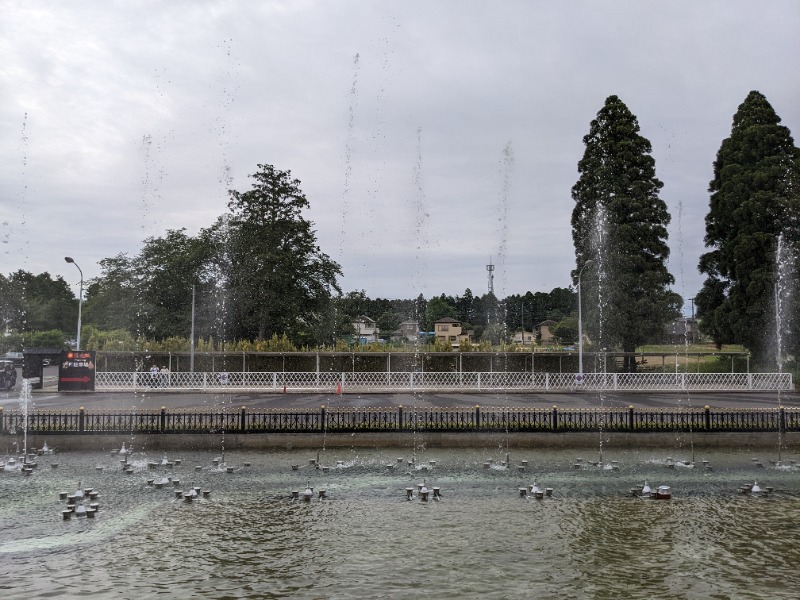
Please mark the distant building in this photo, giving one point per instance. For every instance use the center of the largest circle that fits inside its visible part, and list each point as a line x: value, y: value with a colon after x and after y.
x: 545, y: 334
x: 366, y: 330
x: 408, y: 332
x: 525, y: 338
x: 449, y: 330
x: 681, y: 331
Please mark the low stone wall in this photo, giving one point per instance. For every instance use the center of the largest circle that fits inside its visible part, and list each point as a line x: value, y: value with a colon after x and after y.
x: 291, y: 441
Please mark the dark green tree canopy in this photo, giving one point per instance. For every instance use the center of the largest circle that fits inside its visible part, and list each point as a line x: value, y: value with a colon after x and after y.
x: 257, y: 271
x: 37, y: 303
x: 439, y: 308
x: 280, y: 281
x: 754, y: 199
x: 620, y: 223
x: 151, y: 293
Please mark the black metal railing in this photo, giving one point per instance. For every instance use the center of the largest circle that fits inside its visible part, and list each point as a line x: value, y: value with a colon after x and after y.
x: 347, y: 420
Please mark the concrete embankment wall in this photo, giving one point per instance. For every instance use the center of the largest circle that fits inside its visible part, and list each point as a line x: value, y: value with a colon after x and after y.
x: 290, y: 441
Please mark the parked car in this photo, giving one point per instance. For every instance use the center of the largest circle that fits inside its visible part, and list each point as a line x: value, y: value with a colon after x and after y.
x: 14, y: 357
x: 8, y: 375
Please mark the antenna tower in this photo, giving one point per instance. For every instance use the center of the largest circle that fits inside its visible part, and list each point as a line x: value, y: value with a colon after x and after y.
x: 490, y: 270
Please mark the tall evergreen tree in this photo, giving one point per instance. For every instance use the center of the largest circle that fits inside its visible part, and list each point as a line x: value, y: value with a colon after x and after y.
x: 754, y: 199
x: 280, y: 280
x: 465, y: 305
x: 620, y: 223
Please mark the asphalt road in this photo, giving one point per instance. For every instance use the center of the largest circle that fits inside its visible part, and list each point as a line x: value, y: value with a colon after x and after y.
x: 50, y: 399
x: 53, y: 400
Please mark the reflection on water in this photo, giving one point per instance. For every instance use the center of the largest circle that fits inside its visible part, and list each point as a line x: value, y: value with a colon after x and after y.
x: 365, y: 540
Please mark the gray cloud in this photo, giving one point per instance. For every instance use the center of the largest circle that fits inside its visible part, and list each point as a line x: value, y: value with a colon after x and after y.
x: 121, y: 120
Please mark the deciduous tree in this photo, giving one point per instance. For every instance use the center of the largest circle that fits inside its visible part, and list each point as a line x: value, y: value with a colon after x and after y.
x: 280, y: 280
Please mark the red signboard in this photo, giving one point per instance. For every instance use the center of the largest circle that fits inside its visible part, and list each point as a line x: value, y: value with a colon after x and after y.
x: 76, y: 371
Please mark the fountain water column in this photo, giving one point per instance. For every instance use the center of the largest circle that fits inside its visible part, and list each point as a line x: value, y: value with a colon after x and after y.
x: 24, y: 402
x: 598, y: 245
x: 784, y: 278
x: 580, y: 323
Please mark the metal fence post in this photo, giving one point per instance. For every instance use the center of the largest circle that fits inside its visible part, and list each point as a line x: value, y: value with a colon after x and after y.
x: 400, y: 417
x: 707, y: 417
x: 242, y: 420
x: 477, y: 416
x: 630, y: 418
x: 81, y: 420
x: 2, y: 424
x: 554, y: 418
x: 322, y: 418
x: 163, y: 420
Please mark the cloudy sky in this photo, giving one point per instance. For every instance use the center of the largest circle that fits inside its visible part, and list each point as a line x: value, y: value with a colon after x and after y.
x: 428, y: 136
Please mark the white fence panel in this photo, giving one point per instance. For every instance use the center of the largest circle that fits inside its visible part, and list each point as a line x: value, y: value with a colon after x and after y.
x: 442, y: 381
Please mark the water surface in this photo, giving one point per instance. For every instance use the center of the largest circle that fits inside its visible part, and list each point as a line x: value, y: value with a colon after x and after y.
x: 365, y: 540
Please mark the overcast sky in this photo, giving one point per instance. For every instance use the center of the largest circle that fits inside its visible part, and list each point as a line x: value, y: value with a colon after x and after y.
x: 428, y: 136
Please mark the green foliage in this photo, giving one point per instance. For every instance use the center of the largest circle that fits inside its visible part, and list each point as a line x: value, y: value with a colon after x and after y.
x: 20, y: 341
x: 168, y: 268
x: 354, y: 304
x: 620, y: 223
x: 13, y: 342
x: 373, y: 347
x: 279, y: 279
x: 566, y: 330
x: 151, y: 294
x: 388, y: 322
x: 31, y: 302
x: 11, y: 314
x: 442, y: 346
x: 276, y: 343
x: 256, y: 272
x: 754, y: 199
x: 111, y: 299
x: 494, y: 333
x: 53, y: 338
x: 113, y: 340
x: 438, y: 308
x: 466, y: 346
x: 529, y: 310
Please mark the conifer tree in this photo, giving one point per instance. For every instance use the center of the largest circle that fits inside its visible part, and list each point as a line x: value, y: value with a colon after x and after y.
x: 620, y: 224
x: 754, y: 199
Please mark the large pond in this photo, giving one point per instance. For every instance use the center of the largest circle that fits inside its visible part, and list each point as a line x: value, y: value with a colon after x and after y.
x: 251, y: 539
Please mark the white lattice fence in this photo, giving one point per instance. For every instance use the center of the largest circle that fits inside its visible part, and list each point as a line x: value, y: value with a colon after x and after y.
x: 443, y: 381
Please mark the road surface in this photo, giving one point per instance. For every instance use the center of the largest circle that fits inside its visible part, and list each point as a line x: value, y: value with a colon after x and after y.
x: 50, y: 399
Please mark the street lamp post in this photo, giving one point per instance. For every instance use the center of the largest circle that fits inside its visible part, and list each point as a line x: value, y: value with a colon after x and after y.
x: 80, y: 300
x: 580, y: 322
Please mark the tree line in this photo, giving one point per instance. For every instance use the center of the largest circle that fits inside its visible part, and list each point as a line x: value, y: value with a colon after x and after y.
x: 115, y: 322
x: 619, y: 227
x: 258, y: 274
